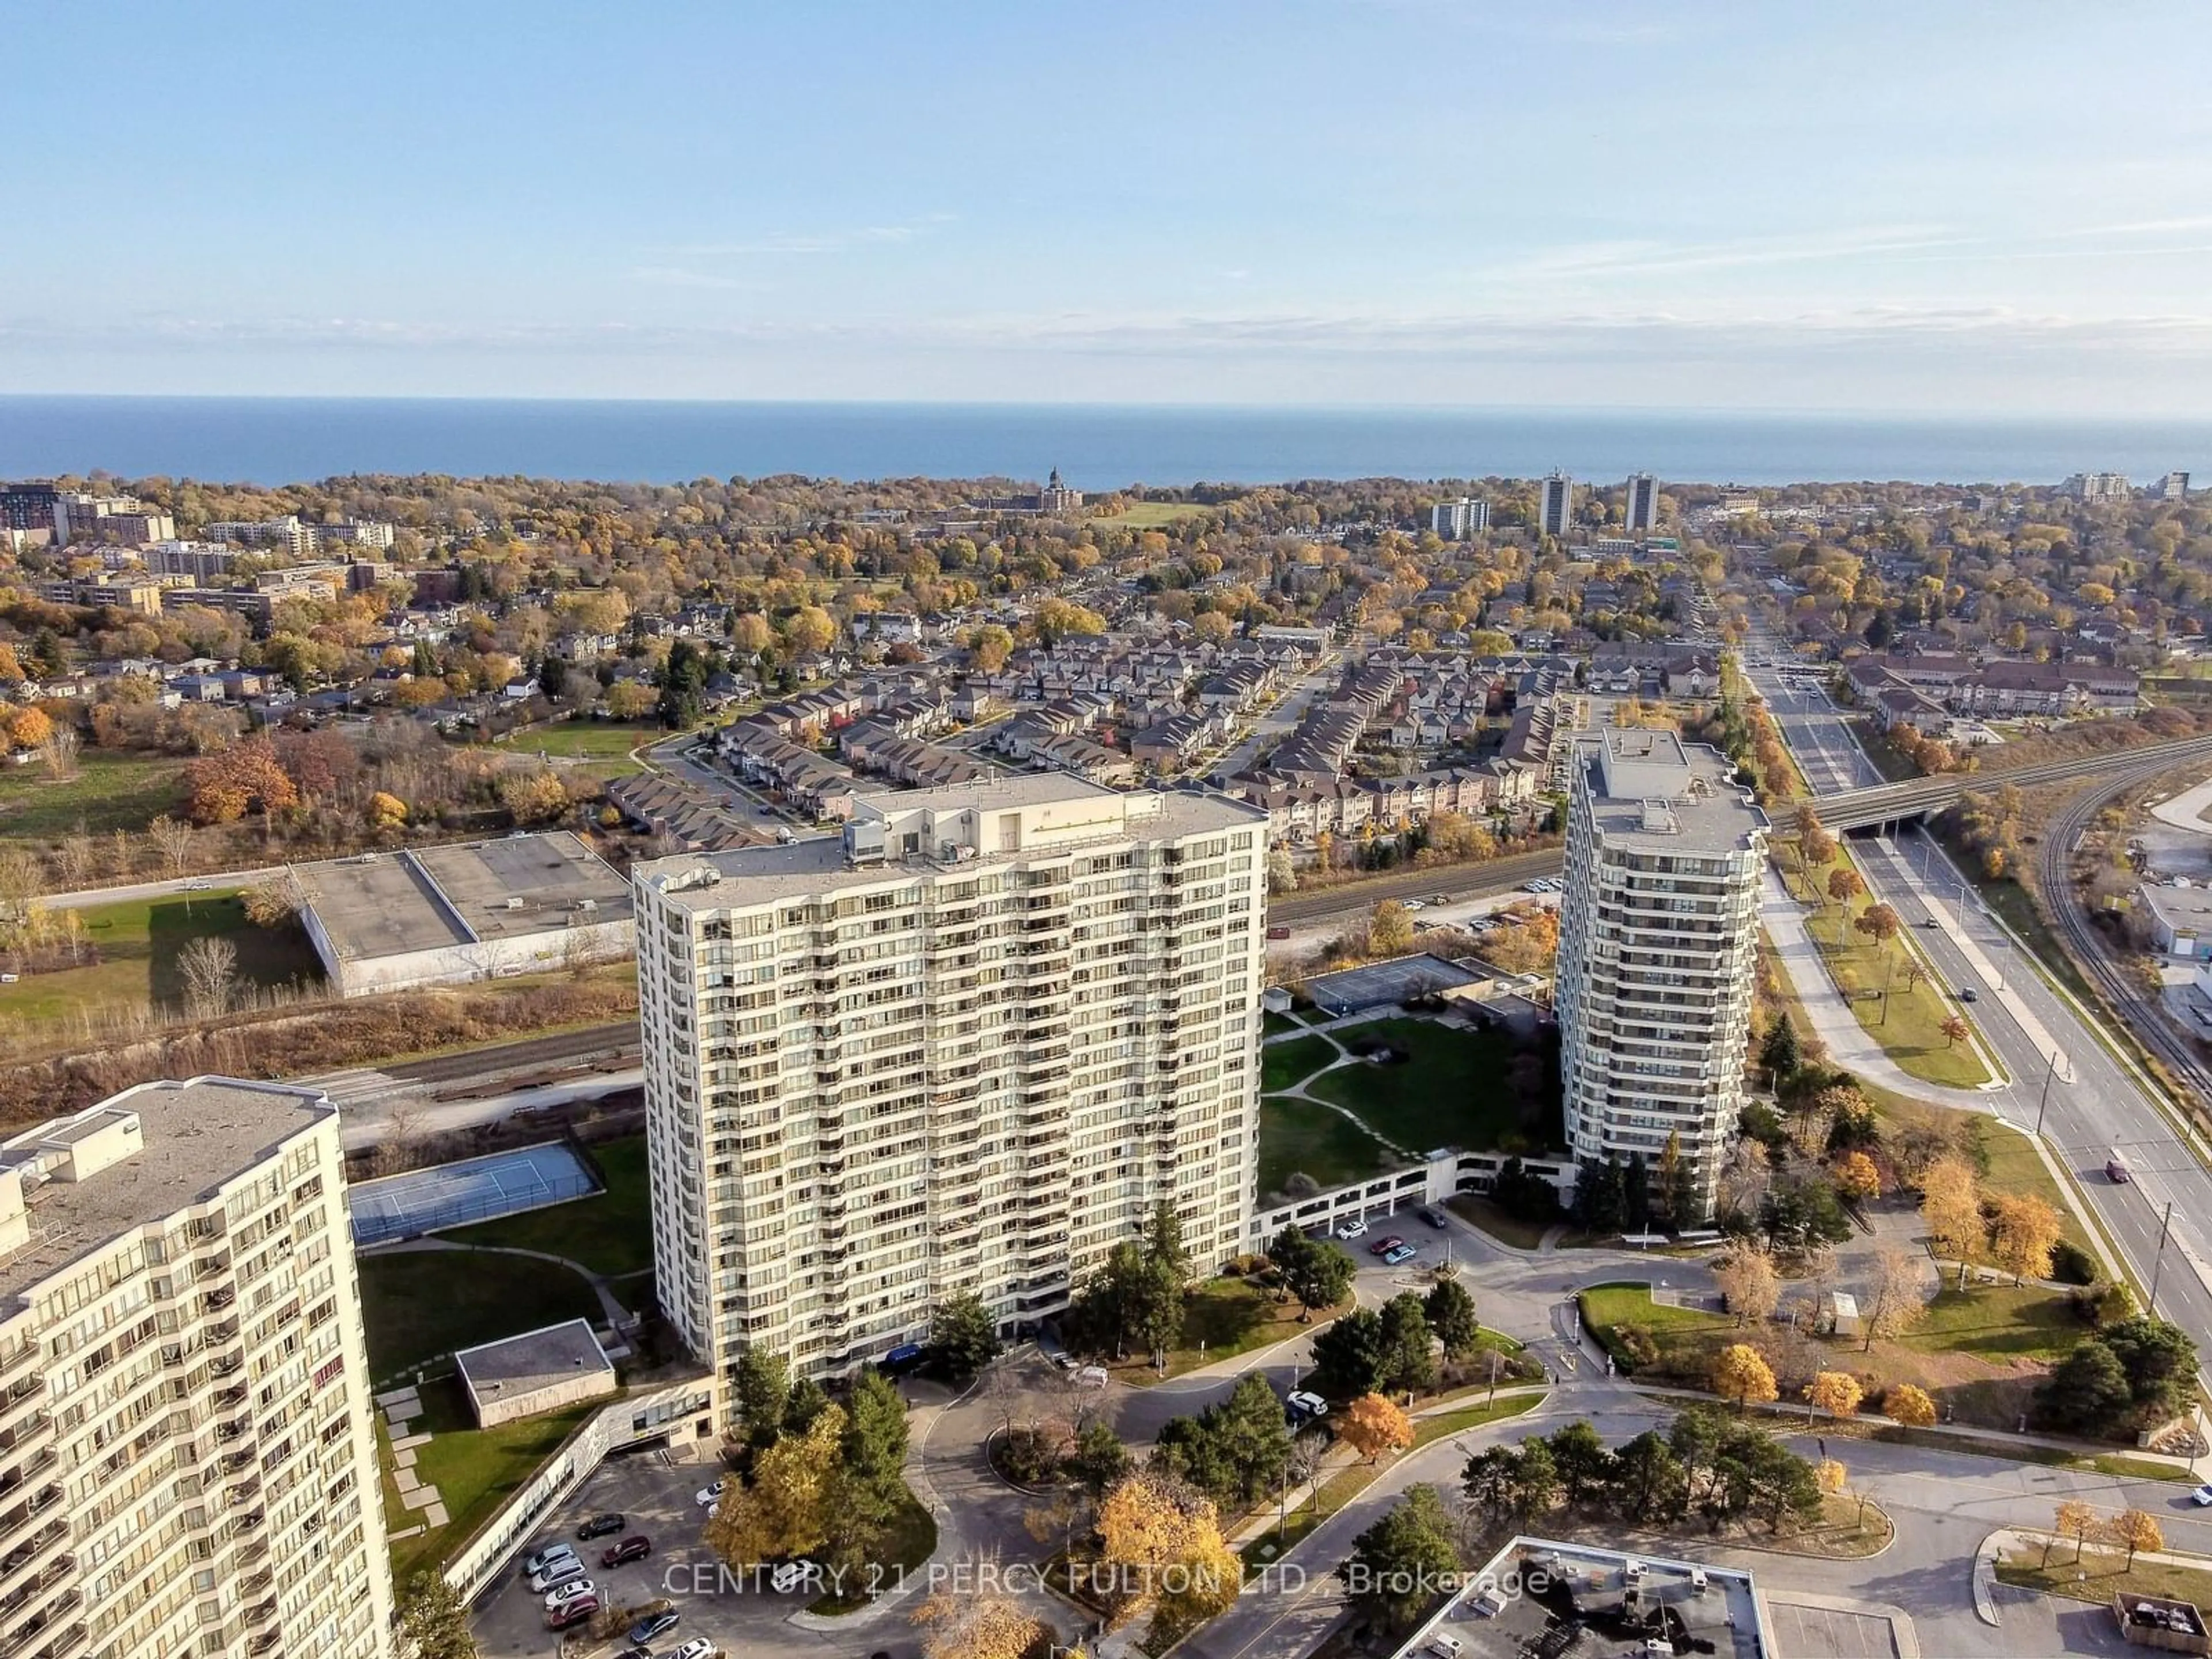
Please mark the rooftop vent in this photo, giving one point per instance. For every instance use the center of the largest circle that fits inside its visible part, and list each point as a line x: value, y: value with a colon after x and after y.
x: 1659, y: 817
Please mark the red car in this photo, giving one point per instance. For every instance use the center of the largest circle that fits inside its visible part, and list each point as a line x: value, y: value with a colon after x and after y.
x: 635, y: 1547
x: 572, y: 1612
x: 1384, y: 1246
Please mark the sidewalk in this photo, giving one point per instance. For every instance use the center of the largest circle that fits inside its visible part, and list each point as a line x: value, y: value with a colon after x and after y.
x: 1850, y: 1045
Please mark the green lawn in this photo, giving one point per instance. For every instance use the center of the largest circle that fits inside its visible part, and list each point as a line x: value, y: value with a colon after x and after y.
x: 1282, y: 1064
x: 1222, y: 1318
x: 109, y: 791
x: 609, y: 1232
x: 1998, y: 1323
x: 421, y: 1304
x: 1302, y: 1137
x: 1274, y: 1024
x: 474, y: 1469
x: 1687, y: 1338
x: 1907, y: 1022
x: 138, y: 941
x: 1454, y: 1088
x: 609, y: 741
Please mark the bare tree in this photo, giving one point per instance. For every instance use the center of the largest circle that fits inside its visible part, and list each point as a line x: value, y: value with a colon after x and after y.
x: 23, y: 878
x: 59, y: 751
x: 209, y: 967
x: 172, y: 839
x: 122, y: 853
x: 75, y: 857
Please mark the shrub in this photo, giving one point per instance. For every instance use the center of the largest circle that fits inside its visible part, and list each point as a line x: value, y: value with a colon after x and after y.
x: 1634, y: 1348
x: 2072, y: 1264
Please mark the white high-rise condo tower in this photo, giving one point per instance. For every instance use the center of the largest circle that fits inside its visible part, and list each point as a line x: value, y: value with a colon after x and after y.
x: 1456, y: 521
x: 187, y: 1443
x: 1657, y: 929
x: 1555, y: 512
x: 967, y: 1046
x: 1642, y: 504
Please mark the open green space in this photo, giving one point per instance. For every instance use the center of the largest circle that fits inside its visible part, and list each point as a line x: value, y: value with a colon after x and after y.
x: 1886, y: 984
x: 474, y: 1470
x: 609, y: 1232
x: 137, y: 943
x: 1151, y: 515
x: 110, y: 791
x: 421, y: 1304
x: 604, y: 741
x: 1303, y: 1137
x: 1275, y: 1025
x: 1449, y: 1087
x: 1997, y: 1322
x: 1686, y: 1337
x: 1282, y: 1064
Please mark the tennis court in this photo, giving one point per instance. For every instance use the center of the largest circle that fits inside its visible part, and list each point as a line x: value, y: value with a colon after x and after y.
x: 475, y: 1189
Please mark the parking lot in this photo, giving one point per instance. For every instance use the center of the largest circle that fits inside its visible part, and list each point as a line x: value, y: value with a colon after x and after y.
x: 655, y: 1498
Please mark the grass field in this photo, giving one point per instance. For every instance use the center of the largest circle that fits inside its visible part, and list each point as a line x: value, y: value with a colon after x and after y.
x: 419, y: 1304
x: 138, y: 941
x: 1283, y: 1063
x: 1687, y: 1337
x: 1479, y: 1212
x: 610, y: 1232
x: 109, y: 791
x: 604, y: 741
x: 1454, y: 1088
x: 473, y: 1469
x: 1151, y: 515
x: 1302, y: 1137
x: 1906, y: 1022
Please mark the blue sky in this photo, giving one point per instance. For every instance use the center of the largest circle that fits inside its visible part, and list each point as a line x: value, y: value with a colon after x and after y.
x: 1998, y: 207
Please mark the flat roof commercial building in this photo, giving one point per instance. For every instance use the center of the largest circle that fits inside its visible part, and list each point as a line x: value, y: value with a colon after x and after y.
x: 1658, y: 924
x: 187, y: 1457
x: 967, y: 1046
x: 443, y: 915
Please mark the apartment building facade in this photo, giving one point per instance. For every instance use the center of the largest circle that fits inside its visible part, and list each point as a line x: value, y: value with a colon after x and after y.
x: 967, y: 1046
x: 188, y: 1463
x: 1658, y: 930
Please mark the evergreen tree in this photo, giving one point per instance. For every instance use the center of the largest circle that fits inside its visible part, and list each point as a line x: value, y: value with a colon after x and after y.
x: 963, y: 1337
x: 1348, y: 1355
x: 874, y: 1449
x: 1400, y: 1559
x: 763, y: 1390
x: 1450, y: 1313
x: 1779, y: 1051
x: 1408, y: 1360
x: 432, y: 1619
x: 1601, y: 1196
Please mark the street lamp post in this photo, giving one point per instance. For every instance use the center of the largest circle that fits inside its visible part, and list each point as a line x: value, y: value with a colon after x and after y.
x: 2158, y: 1263
x: 2044, y: 1104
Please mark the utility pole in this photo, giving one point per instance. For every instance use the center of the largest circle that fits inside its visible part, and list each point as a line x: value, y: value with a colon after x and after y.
x: 2159, y: 1260
x: 2045, y: 1102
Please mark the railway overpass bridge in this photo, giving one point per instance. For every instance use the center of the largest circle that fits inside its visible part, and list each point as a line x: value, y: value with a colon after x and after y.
x: 1917, y: 798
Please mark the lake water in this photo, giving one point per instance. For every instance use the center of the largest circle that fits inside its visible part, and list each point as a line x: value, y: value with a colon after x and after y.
x: 284, y: 439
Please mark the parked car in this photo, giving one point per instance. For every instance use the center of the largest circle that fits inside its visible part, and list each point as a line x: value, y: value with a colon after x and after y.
x: 1440, y: 898
x: 571, y: 1613
x: 1384, y: 1246
x: 635, y: 1547
x: 600, y: 1525
x: 697, y: 1648
x: 1350, y: 1229
x: 1305, y: 1407
x: 788, y: 1575
x: 1434, y: 1218
x: 1279, y: 931
x: 574, y: 1591
x: 706, y: 1497
x: 1403, y: 1252
x: 534, y: 1564
x: 554, y: 1574
x: 2203, y: 1496
x: 654, y: 1625
x: 1415, y: 904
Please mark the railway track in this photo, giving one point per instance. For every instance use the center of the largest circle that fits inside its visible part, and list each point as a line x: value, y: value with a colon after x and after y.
x: 2136, y: 1009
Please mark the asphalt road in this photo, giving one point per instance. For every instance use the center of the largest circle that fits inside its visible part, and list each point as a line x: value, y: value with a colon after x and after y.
x: 2060, y: 1076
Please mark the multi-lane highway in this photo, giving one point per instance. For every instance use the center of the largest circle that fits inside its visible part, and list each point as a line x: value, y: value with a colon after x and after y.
x: 2062, y: 1077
